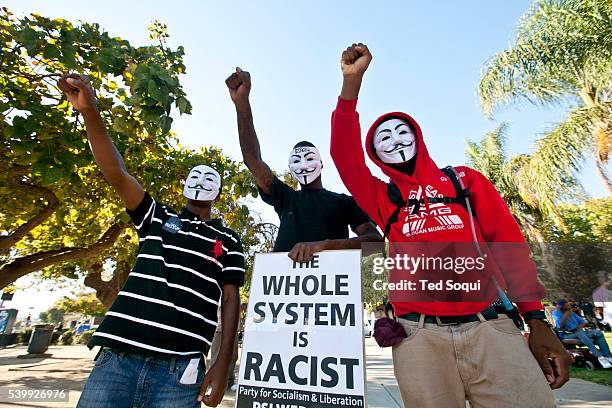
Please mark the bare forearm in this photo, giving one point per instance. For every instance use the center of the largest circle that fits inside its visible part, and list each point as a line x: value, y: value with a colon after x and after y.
x: 350, y: 87
x: 104, y: 151
x: 249, y: 144
x: 229, y: 317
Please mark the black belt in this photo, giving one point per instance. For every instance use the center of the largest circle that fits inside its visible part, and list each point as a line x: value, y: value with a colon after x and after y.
x: 489, y: 314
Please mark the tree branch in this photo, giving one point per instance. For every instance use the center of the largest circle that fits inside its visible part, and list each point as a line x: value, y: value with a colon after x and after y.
x: 15, y: 180
x: 30, y: 263
x: 106, y: 291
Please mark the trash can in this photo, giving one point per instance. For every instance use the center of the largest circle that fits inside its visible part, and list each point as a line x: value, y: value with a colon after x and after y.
x: 41, y: 338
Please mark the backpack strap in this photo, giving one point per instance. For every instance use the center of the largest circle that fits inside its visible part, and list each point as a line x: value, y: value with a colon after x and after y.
x: 461, y: 194
x: 395, y: 196
x: 503, y: 299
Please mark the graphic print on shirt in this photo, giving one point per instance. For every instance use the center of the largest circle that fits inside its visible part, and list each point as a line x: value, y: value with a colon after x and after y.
x: 218, y: 248
x: 431, y: 218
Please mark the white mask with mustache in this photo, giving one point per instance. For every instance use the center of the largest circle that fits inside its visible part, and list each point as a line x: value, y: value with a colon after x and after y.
x: 305, y: 164
x: 202, y: 184
x: 394, y: 141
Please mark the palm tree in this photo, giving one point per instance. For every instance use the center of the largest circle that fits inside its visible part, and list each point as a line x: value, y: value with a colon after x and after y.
x: 562, y: 54
x: 489, y: 157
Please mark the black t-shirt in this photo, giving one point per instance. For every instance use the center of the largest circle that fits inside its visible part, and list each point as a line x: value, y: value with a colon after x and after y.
x: 311, y: 215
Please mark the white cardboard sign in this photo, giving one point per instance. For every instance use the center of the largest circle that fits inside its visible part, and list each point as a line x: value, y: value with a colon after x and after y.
x: 303, y: 343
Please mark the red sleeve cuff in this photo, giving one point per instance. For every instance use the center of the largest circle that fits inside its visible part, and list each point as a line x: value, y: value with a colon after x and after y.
x: 525, y: 307
x: 346, y: 105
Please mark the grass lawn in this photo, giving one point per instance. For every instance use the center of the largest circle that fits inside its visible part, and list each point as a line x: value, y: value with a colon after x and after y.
x: 597, y: 376
x: 603, y: 377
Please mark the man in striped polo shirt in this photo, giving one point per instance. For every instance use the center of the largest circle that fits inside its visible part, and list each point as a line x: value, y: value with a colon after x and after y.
x: 161, y: 325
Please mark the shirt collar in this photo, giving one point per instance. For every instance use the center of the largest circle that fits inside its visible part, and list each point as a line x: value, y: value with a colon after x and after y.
x: 215, y: 222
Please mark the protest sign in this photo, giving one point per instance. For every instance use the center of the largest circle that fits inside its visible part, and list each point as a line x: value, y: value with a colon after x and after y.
x: 303, y: 343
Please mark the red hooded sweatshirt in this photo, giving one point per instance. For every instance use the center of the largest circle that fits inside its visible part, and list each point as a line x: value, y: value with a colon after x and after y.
x: 493, y: 222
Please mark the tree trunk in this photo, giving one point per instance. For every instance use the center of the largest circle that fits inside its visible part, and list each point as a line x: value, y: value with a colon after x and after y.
x: 15, y: 180
x: 537, y: 239
x: 603, y: 174
x: 14, y: 270
x: 601, y: 133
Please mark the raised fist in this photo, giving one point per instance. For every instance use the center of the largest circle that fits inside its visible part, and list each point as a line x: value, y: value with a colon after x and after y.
x: 239, y: 85
x: 78, y: 91
x: 355, y: 60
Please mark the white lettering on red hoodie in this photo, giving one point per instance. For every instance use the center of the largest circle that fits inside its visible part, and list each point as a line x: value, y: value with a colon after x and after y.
x: 494, y: 222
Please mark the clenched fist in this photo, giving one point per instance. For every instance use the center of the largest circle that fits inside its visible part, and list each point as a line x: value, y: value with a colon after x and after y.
x: 355, y: 60
x: 239, y: 85
x: 78, y: 91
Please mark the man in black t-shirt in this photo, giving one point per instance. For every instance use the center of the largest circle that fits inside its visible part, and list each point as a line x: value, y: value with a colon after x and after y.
x: 312, y: 219
x: 154, y: 336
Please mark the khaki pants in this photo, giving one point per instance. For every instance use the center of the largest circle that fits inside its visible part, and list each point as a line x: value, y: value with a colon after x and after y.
x: 487, y: 363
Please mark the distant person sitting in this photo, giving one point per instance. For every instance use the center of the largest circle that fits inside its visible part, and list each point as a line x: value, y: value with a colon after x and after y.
x: 602, y: 296
x: 566, y: 319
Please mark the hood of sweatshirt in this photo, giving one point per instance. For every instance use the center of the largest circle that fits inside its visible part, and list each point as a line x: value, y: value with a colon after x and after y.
x: 425, y: 167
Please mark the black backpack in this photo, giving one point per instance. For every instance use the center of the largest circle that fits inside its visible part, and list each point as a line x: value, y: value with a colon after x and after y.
x: 395, y: 196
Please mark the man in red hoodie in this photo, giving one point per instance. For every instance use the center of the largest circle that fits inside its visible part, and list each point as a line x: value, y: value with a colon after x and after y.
x: 454, y: 350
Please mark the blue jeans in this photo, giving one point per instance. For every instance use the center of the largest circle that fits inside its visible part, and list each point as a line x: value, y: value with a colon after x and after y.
x: 131, y: 380
x: 585, y: 336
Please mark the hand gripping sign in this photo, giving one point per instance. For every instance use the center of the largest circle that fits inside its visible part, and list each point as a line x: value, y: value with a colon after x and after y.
x: 303, y: 343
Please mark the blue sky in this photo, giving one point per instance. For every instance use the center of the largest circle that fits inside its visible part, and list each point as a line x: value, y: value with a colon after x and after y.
x: 427, y: 60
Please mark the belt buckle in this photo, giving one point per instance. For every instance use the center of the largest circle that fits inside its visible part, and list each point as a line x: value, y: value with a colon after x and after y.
x: 439, y: 322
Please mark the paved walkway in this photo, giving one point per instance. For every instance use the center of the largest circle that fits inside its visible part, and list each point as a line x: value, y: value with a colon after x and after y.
x: 68, y: 367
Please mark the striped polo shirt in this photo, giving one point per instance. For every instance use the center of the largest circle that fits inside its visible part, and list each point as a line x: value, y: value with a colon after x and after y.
x: 168, y: 305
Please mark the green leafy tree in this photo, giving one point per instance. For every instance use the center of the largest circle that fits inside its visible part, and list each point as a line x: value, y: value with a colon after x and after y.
x: 562, y: 54
x: 53, y: 315
x: 372, y: 296
x: 86, y: 304
x: 57, y: 213
x: 582, y: 250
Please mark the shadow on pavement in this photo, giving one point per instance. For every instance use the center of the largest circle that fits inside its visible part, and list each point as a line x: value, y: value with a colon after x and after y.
x: 47, y: 381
